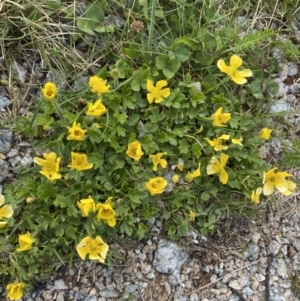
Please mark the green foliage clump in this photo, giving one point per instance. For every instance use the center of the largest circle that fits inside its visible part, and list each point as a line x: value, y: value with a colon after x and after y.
x: 157, y: 133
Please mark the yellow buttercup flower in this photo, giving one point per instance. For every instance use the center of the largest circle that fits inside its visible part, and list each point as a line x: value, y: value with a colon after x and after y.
x: 86, y: 206
x: 134, y: 150
x: 273, y: 179
x: 200, y: 130
x: 98, y: 85
x: 80, y: 162
x: 49, y: 91
x: 15, y: 290
x: 76, y: 132
x: 220, y: 118
x: 5, y: 212
x: 265, y: 133
x: 156, y: 93
x: 95, y: 248
x: 192, y: 216
x: 96, y: 109
x: 237, y: 141
x: 218, y: 167
x: 239, y: 77
x: 106, y: 212
x: 175, y: 178
x: 158, y: 160
x: 191, y: 175
x: 217, y: 142
x: 50, y: 166
x: 156, y: 185
x: 25, y: 242
x: 255, y: 194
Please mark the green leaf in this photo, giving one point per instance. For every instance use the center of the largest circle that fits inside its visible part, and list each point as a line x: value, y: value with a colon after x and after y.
x: 133, y: 119
x: 168, y: 66
x: 150, y: 127
x: 122, y: 117
x: 72, y: 211
x: 142, y: 230
x: 182, y: 54
x: 128, y: 102
x: 205, y: 196
x: 136, y: 195
x: 91, y: 18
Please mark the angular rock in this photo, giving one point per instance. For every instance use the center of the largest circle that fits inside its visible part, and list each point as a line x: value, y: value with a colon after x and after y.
x: 5, y: 141
x: 4, y: 167
x: 168, y: 257
x: 274, y: 247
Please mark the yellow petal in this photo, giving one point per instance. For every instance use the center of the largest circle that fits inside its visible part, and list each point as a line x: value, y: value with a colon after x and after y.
x: 161, y: 83
x: 268, y: 188
x: 150, y: 86
x: 223, y: 176
x: 245, y: 73
x: 6, y: 211
x: 222, y: 66
x: 1, y: 199
x: 239, y: 80
x: 235, y: 61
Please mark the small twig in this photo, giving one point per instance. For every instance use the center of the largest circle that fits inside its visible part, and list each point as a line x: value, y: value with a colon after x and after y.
x: 268, y: 280
x: 209, y: 284
x: 236, y: 293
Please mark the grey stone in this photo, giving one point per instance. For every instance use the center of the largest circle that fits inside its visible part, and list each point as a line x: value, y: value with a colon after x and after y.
x: 278, y: 54
x: 282, y: 87
x: 60, y: 285
x: 282, y: 270
x: 4, y: 167
x: 114, y: 20
x: 48, y: 295
x: 247, y: 291
x: 80, y: 82
x: 255, y: 237
x: 241, y: 20
x: 234, y: 284
x: 79, y: 295
x: 274, y: 247
x: 5, y: 141
x: 60, y: 296
x: 292, y: 69
x: 26, y: 160
x: 296, y: 244
x: 194, y: 297
x: 4, y: 101
x: 253, y: 252
x: 260, y: 277
x: 278, y: 298
x: 294, y: 88
x: 283, y: 74
x: 109, y: 293
x: 90, y: 298
x: 131, y: 288
x: 168, y: 257
x: 21, y: 72
x: 280, y: 106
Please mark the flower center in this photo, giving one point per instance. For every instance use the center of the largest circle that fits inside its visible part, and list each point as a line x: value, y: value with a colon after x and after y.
x: 50, y: 166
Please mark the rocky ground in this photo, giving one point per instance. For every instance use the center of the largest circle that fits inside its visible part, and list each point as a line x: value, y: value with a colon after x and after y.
x: 245, y: 260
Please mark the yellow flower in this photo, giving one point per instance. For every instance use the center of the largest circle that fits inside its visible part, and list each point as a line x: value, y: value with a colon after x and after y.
x: 156, y: 93
x: 175, y: 178
x: 49, y: 91
x: 255, y: 195
x: 96, y: 109
x: 272, y: 179
x: 79, y: 162
x: 265, y: 133
x: 217, y: 142
x: 217, y: 166
x: 191, y: 175
x: 25, y: 242
x: 237, y: 141
x: 15, y: 290
x: 180, y: 165
x: 106, y: 212
x: 192, y: 216
x: 50, y: 166
x: 157, y: 160
x: 98, y: 85
x: 5, y: 212
x: 200, y: 130
x: 95, y: 248
x: 237, y: 76
x: 86, y: 205
x: 30, y: 199
x: 46, y: 127
x: 156, y: 185
x: 134, y: 150
x: 219, y: 119
x: 76, y: 132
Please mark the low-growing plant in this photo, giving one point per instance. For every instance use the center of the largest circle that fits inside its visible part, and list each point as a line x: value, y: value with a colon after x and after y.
x: 165, y: 130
